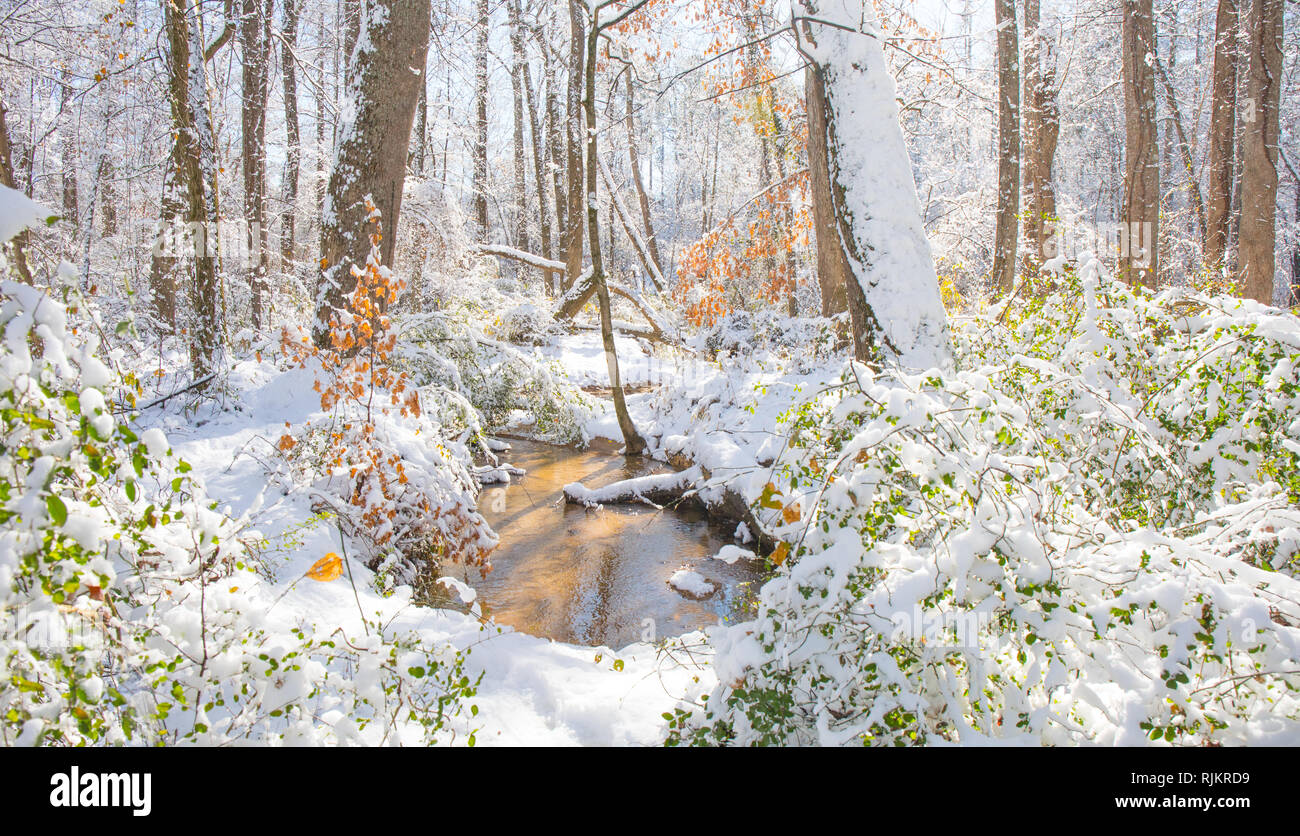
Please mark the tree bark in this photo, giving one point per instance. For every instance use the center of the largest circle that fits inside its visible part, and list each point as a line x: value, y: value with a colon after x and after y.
x: 575, y: 217
x: 633, y: 443
x: 293, y: 136
x: 255, y: 89
x: 1259, y: 176
x: 1041, y: 130
x: 479, y: 183
x: 519, y: 159
x: 1141, y: 212
x: 189, y: 194
x: 634, y: 162
x: 107, y: 195
x: 370, y: 161
x: 1008, y: 210
x: 1223, y: 106
x: 832, y: 269
x: 539, y: 170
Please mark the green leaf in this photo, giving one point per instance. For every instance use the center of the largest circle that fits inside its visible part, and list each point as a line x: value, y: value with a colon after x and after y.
x: 58, y: 511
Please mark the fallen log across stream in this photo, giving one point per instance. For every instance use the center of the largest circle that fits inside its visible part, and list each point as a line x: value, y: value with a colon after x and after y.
x: 658, y: 490
x: 688, y: 488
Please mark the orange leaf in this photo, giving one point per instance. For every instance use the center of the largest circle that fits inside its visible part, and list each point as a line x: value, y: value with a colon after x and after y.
x: 781, y: 552
x: 326, y: 569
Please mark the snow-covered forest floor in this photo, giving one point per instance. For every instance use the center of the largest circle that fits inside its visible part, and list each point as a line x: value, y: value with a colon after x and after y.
x: 722, y: 413
x: 534, y: 691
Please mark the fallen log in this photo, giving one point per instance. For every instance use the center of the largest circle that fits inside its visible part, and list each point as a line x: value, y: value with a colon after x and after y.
x: 657, y: 491
x: 688, y: 488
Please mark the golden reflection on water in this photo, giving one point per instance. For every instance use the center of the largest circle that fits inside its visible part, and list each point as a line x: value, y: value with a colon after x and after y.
x: 592, y: 577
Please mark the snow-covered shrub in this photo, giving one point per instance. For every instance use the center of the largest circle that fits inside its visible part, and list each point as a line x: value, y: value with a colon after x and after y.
x: 526, y: 324
x: 477, y: 383
x: 131, y: 612
x: 388, y: 471
x: 742, y: 333
x: 1087, y: 533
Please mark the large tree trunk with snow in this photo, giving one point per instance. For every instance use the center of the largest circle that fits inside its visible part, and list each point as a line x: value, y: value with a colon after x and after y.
x: 1005, y: 235
x: 1259, y: 153
x: 1223, y: 106
x: 879, y: 242
x: 1141, y: 152
x: 370, y: 160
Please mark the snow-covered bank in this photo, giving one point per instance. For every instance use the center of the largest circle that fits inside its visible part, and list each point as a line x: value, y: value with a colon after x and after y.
x: 533, y: 691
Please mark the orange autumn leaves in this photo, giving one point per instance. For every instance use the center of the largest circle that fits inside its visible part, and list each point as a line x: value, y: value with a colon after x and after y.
x: 365, y: 395
x: 326, y: 569
x: 730, y: 258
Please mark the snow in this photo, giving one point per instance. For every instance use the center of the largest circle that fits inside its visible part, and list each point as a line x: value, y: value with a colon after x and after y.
x: 691, y: 583
x: 639, y: 487
x: 18, y: 212
x: 730, y: 554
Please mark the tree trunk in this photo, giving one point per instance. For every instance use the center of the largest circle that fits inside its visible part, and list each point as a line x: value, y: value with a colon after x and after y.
x: 832, y: 269
x: 634, y: 162
x: 370, y: 160
x: 520, y: 159
x: 479, y: 183
x: 107, y: 194
x: 255, y: 90
x: 352, y: 14
x: 1223, y: 106
x: 879, y: 244
x: 293, y: 137
x: 634, y: 445
x: 1008, y: 211
x: 1041, y: 129
x: 787, y: 214
x: 323, y: 117
x: 539, y: 169
x: 1141, y: 213
x: 1259, y: 176
x: 574, y: 214
x: 555, y: 141
x: 189, y: 194
x: 68, y: 154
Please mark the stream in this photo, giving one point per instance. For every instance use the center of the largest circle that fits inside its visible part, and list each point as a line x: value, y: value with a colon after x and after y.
x: 598, y: 577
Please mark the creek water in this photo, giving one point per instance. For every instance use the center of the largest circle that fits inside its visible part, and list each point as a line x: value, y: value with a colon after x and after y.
x: 598, y: 577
